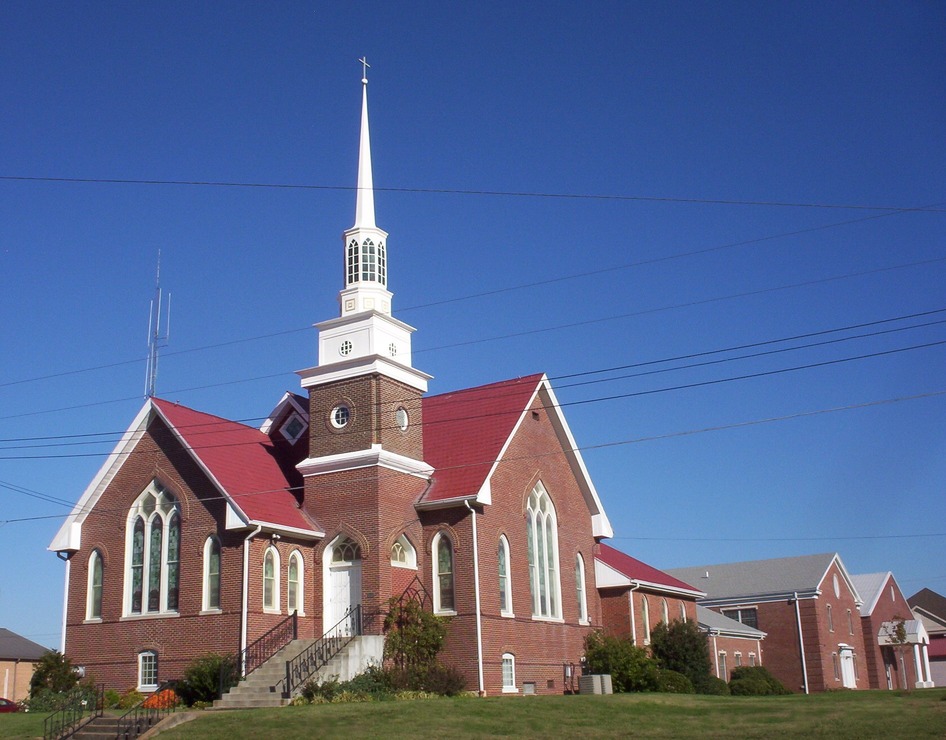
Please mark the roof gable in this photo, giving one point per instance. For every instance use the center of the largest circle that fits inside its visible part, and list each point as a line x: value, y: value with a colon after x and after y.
x: 718, y: 624
x: 871, y: 586
x: 627, y: 571
x: 17, y: 647
x: 931, y: 602
x: 759, y: 578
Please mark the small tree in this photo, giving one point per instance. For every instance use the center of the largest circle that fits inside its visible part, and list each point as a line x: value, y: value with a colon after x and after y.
x: 414, y: 636
x: 681, y: 647
x: 897, y: 634
x: 55, y: 673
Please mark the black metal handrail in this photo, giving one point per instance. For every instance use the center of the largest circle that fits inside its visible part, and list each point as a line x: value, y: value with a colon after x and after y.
x: 310, y: 660
x: 142, y: 717
x: 240, y: 665
x: 75, y: 709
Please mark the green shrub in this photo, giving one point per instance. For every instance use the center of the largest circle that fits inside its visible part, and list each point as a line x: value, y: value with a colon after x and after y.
x: 755, y: 681
x: 413, y: 637
x: 130, y: 698
x: 712, y: 686
x: 681, y: 646
x: 111, y: 699
x: 631, y: 668
x: 325, y: 690
x: 54, y: 673
x: 201, y: 681
x: 673, y: 682
x: 375, y: 682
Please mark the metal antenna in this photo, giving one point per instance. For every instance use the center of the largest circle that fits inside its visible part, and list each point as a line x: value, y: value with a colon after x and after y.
x: 156, y: 339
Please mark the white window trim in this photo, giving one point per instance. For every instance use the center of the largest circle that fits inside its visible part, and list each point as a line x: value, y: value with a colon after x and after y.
x: 435, y: 566
x: 509, y: 688
x: 665, y: 611
x: 155, y: 489
x: 645, y: 618
x: 409, y: 551
x: 205, y: 607
x: 276, y: 607
x: 505, y: 609
x: 583, y: 592
x: 296, y: 556
x: 141, y: 656
x: 95, y: 557
x: 553, y: 570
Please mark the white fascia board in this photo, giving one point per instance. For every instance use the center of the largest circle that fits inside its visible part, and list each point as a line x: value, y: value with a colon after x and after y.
x: 374, y: 456
x: 675, y: 590
x: 235, y: 518
x: 308, y: 534
x: 287, y: 400
x: 742, y: 635
x: 846, y: 576
x: 601, y: 525
x: 200, y: 463
x: 69, y: 536
x: 445, y: 503
x: 485, y: 495
x: 360, y: 366
x: 751, y: 599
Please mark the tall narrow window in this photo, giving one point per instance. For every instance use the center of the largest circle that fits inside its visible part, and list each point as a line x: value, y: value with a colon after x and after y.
x: 683, y: 611
x: 645, y: 617
x: 723, y: 670
x: 505, y: 593
x: 752, y: 659
x: 211, y: 573
x: 443, y: 573
x: 270, y: 582
x: 664, y: 611
x: 580, y: 589
x: 509, y: 673
x: 147, y: 670
x: 542, y: 542
x: 295, y: 583
x: 94, y: 605
x: 850, y: 622
x: 830, y: 620
x: 152, y: 552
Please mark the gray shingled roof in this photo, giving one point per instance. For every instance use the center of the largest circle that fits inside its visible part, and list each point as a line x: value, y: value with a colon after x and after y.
x: 757, y: 577
x: 714, y: 621
x: 14, y: 647
x: 867, y: 586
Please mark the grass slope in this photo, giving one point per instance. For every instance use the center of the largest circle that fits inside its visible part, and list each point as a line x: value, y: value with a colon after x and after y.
x: 855, y: 714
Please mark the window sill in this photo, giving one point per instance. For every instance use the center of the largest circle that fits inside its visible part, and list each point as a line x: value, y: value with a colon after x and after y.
x: 92, y: 620
x: 271, y: 611
x: 404, y: 566
x: 540, y: 618
x: 584, y: 622
x: 510, y: 690
x: 508, y: 615
x: 445, y: 612
x: 147, y: 689
x: 150, y: 615
x: 215, y: 610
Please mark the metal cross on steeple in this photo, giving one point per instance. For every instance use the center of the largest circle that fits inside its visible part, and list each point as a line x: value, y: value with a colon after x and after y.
x: 364, y: 70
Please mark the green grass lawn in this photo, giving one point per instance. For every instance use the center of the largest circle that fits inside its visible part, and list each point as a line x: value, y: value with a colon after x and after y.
x: 854, y: 714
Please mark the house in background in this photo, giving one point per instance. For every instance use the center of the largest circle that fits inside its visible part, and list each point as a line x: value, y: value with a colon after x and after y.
x: 930, y: 608
x: 200, y: 534
x: 889, y: 666
x: 808, y: 608
x: 636, y: 597
x: 18, y: 659
x: 731, y: 643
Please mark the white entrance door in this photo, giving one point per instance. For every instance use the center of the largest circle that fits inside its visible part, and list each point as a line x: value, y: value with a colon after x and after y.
x: 343, y: 587
x: 847, y: 667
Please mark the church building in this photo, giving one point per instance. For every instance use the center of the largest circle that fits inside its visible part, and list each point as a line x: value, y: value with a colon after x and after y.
x: 200, y: 534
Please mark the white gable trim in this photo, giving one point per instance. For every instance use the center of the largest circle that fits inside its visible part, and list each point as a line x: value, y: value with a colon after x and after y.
x: 847, y: 579
x: 376, y: 455
x: 868, y: 609
x: 69, y: 536
x: 287, y: 400
x: 608, y: 577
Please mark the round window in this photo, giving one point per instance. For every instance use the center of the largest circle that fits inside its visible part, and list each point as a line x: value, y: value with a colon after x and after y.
x: 340, y: 416
x: 345, y: 348
x: 400, y: 416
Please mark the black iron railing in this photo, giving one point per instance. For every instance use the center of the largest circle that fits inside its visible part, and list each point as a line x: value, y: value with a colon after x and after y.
x: 148, y: 712
x: 310, y: 660
x: 242, y: 664
x: 80, y: 705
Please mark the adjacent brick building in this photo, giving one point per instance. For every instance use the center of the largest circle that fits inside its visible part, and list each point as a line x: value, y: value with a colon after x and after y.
x: 200, y: 534
x: 18, y: 659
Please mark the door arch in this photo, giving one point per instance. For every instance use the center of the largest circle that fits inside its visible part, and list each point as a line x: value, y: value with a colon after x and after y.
x: 342, y: 579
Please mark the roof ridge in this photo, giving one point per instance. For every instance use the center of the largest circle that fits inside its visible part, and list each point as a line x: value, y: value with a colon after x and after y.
x: 205, y: 413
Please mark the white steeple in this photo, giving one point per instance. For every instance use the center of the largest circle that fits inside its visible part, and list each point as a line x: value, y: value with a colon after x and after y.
x: 365, y: 338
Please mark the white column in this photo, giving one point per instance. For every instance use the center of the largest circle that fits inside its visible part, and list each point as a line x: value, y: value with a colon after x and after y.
x: 916, y: 665
x: 926, y: 666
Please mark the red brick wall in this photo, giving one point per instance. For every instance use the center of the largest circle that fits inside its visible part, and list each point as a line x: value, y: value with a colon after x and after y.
x: 887, y: 609
x: 616, y: 611
x: 737, y: 650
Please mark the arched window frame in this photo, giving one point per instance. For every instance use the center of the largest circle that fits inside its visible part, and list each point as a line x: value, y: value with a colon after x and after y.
x: 147, y: 670
x: 509, y: 674
x: 210, y: 601
x: 403, y: 554
x: 664, y: 612
x: 580, y: 592
x: 295, y: 588
x: 542, y: 543
x: 93, y: 606
x: 645, y: 618
x: 505, y: 577
x: 152, y: 553
x: 830, y: 619
x: 444, y: 568
x: 271, y: 580
x: 683, y: 611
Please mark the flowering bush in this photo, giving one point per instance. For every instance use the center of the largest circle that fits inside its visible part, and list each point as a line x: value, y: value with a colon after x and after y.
x: 166, y: 699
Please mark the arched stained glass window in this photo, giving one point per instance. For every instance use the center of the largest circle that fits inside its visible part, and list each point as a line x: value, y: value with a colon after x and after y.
x: 542, y: 542
x: 443, y: 574
x: 153, y: 547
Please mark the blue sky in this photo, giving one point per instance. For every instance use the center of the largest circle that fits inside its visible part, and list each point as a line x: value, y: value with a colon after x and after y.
x: 765, y: 171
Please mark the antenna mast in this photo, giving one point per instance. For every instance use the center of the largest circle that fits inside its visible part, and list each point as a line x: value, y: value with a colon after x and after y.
x: 156, y: 339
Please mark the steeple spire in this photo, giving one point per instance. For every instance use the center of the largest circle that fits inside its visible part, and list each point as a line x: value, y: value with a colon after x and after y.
x: 364, y: 200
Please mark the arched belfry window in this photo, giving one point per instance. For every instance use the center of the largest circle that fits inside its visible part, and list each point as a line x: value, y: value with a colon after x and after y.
x: 152, y: 547
x: 542, y: 539
x: 366, y: 262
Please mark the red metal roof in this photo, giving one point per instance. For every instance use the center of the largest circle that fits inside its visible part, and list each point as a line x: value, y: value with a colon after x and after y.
x: 636, y: 570
x: 243, y: 461
x: 464, y: 433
